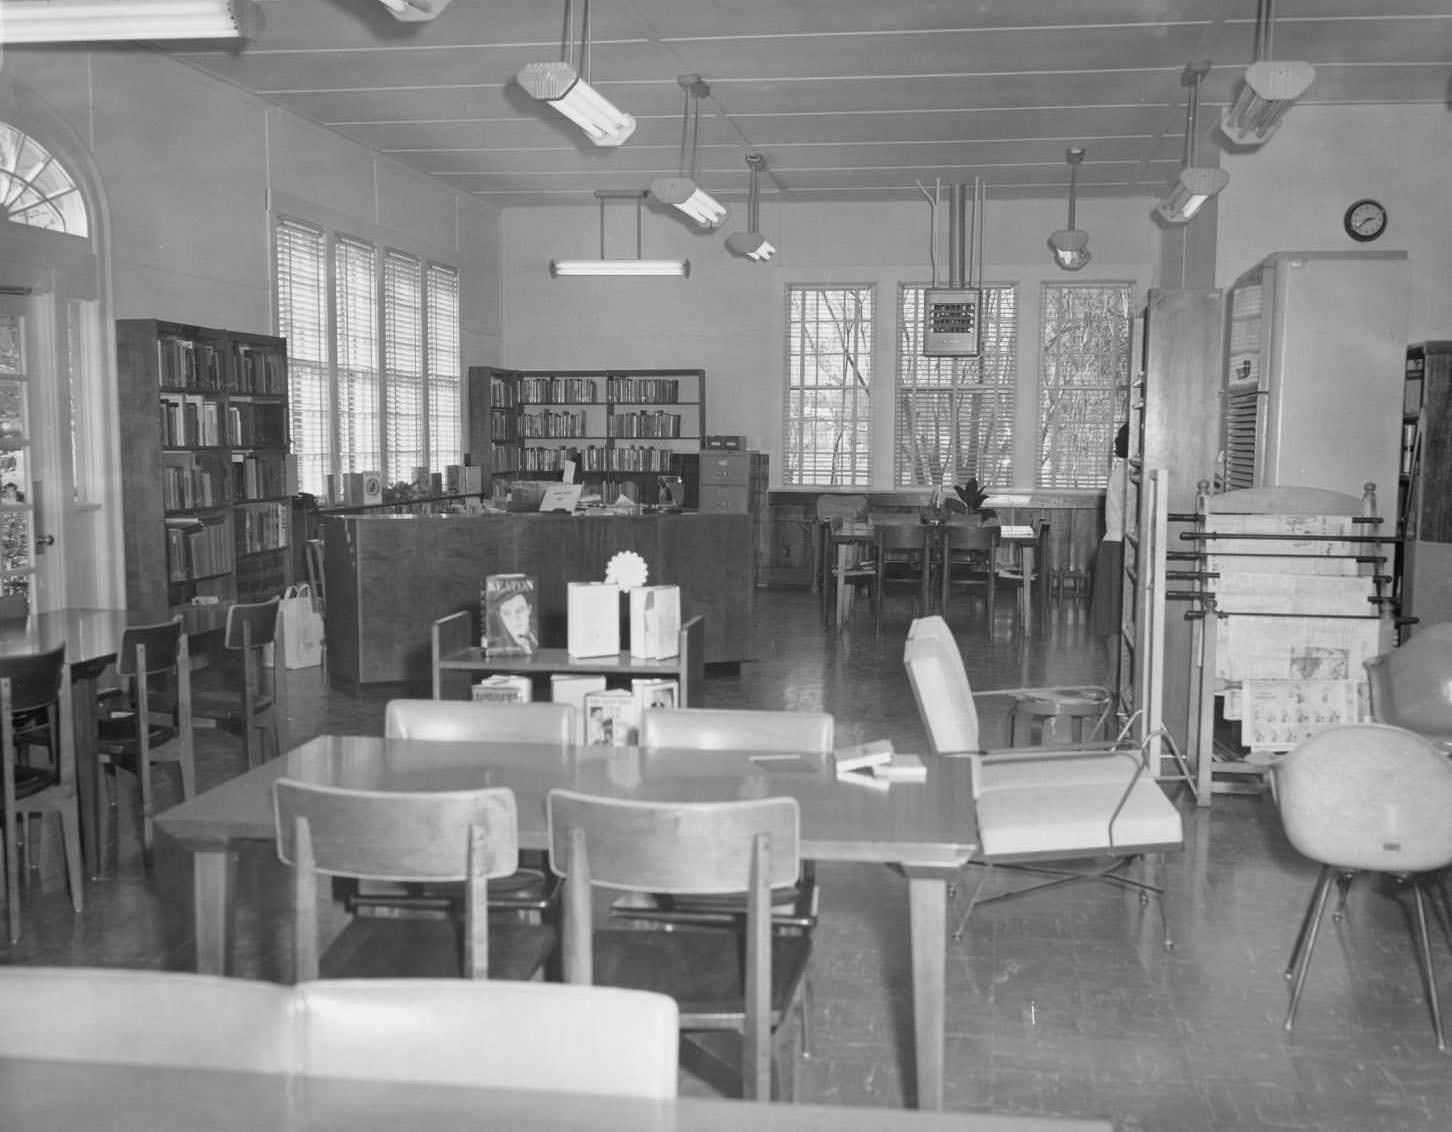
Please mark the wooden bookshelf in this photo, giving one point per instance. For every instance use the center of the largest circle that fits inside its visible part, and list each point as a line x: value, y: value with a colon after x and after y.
x: 205, y: 497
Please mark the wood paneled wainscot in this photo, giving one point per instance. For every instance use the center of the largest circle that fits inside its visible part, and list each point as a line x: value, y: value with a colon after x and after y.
x: 388, y: 578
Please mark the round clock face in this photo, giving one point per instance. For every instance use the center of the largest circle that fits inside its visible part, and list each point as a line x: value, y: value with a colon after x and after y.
x: 1365, y: 220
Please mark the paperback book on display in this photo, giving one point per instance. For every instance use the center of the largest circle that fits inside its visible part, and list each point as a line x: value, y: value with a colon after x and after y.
x: 511, y: 615
x: 655, y: 622
x: 502, y: 690
x: 651, y: 692
x: 572, y: 689
x: 592, y: 616
x: 612, y: 718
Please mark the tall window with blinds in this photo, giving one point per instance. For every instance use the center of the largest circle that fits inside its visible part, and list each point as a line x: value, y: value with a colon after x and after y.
x: 954, y: 416
x: 828, y: 421
x: 1084, y: 369
x: 373, y: 340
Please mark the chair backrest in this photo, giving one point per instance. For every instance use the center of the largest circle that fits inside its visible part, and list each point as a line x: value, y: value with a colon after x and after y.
x: 251, y: 624
x: 932, y: 626
x: 492, y: 1033
x: 900, y: 536
x: 1411, y: 686
x: 127, y: 1017
x: 940, y: 687
x: 35, y: 678
x: 732, y: 729
x: 971, y: 536
x: 1368, y: 796
x: 151, y: 649
x: 462, y: 720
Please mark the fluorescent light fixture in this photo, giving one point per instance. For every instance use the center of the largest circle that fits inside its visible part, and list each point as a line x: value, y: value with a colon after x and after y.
x: 559, y: 85
x: 1270, y: 89
x: 561, y: 268
x: 1070, y: 245
x: 615, y: 267
x: 1196, y: 185
x: 79, y: 21
x: 682, y: 190
x: 414, y: 11
x: 695, y: 202
x: 751, y: 244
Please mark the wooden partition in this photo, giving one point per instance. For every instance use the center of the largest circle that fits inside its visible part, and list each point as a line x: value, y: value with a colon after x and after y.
x: 389, y: 578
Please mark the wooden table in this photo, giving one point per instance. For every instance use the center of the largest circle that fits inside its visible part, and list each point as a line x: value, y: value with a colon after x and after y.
x: 92, y: 638
x: 1025, y: 539
x: 62, y: 1096
x: 926, y: 828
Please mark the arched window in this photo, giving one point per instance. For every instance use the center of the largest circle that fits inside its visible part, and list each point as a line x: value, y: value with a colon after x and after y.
x: 35, y: 188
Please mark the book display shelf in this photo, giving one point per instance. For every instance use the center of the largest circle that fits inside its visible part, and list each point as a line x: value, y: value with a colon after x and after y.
x: 623, y: 428
x: 205, y: 417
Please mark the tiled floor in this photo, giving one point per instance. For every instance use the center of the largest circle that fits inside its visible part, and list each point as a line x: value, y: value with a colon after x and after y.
x: 1062, y: 1002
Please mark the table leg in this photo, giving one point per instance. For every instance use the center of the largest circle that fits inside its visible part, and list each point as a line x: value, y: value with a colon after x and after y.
x: 89, y: 797
x: 928, y: 904
x: 1026, y: 564
x: 212, y: 874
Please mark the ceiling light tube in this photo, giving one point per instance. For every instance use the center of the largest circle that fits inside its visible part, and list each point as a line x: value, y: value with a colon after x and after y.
x: 695, y: 202
x: 1187, y: 196
x: 560, y: 268
x: 560, y: 86
x: 38, y: 21
x: 1270, y: 89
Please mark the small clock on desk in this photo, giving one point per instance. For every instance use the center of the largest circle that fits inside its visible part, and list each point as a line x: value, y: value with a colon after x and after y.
x: 1365, y: 220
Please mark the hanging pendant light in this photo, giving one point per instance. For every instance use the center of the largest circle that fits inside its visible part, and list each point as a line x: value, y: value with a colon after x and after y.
x: 1268, y: 90
x: 1196, y: 183
x: 1070, y: 245
x: 560, y: 268
x: 568, y: 89
x: 682, y: 190
x: 751, y: 244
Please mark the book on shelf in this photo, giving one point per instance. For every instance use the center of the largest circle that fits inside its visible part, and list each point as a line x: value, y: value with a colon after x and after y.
x: 501, y: 689
x: 572, y: 688
x: 655, y: 622
x: 511, y: 614
x: 656, y: 692
x: 592, y: 619
x: 612, y: 718
x: 863, y: 756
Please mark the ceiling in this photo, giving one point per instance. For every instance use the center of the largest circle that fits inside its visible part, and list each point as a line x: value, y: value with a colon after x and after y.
x: 846, y: 99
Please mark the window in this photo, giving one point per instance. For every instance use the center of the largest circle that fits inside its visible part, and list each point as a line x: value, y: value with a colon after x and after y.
x: 373, y: 356
x: 35, y: 188
x: 955, y: 415
x: 827, y: 429
x: 1083, y: 380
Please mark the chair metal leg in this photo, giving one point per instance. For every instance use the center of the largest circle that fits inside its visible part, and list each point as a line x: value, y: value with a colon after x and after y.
x: 1301, y: 963
x: 1343, y: 890
x: 1424, y: 945
x: 972, y: 900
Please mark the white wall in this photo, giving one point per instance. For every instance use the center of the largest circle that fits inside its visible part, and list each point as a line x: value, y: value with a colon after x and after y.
x: 727, y: 317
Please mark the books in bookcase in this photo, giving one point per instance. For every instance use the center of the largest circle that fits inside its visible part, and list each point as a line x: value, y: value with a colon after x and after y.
x: 501, y: 689
x: 510, y: 615
x: 572, y: 688
x: 655, y: 622
x: 653, y: 692
x: 612, y: 718
x: 592, y: 619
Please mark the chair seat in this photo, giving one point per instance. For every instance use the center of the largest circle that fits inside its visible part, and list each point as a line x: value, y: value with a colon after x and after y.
x: 1044, y: 821
x: 704, y: 971
x: 794, y: 906
x: 387, y: 947
x: 527, y: 890
x: 118, y: 734
x: 1085, y: 770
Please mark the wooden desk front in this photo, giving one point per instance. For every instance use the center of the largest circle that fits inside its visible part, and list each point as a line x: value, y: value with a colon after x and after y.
x: 926, y: 828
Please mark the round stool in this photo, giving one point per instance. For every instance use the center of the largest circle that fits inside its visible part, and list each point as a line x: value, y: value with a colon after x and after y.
x: 1057, y: 718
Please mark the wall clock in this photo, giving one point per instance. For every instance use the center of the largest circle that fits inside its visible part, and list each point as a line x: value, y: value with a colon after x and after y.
x: 1365, y: 220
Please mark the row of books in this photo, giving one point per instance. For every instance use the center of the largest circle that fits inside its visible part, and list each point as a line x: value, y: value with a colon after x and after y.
x: 258, y: 477
x: 644, y: 423
x: 553, y: 423
x: 183, y: 363
x: 644, y: 389
x: 185, y: 485
x: 261, y: 526
x: 633, y: 458
x: 190, y: 421
x: 558, y: 390
x: 611, y: 715
x: 197, y: 550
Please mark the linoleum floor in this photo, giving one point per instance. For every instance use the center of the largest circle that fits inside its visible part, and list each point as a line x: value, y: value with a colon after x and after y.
x: 1062, y: 1002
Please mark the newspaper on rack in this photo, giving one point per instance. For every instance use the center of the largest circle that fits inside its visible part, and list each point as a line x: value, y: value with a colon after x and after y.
x: 1294, y: 648
x: 1278, y: 714
x: 1305, y: 549
x: 1260, y: 591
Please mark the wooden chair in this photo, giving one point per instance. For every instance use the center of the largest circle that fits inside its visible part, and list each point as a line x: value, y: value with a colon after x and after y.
x: 726, y: 729
x: 245, y: 696
x: 505, y: 1035
x: 37, y: 685
x: 970, y: 559
x: 465, y: 835
x: 841, y: 561
x: 463, y: 720
x: 155, y: 723
x: 904, y: 555
x: 748, y: 981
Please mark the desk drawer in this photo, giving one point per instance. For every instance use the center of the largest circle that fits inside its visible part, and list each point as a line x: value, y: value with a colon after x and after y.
x: 720, y: 467
x: 717, y: 499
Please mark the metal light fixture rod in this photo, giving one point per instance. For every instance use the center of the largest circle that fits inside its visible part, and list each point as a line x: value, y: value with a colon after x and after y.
x: 1195, y: 184
x: 682, y: 190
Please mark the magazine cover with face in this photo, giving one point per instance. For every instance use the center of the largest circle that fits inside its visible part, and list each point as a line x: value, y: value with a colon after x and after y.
x: 511, y: 614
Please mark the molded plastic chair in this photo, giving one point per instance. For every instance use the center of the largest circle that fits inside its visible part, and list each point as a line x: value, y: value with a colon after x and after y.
x: 570, y: 1039
x: 462, y: 720
x: 1411, y: 686
x: 1367, y: 797
x: 748, y: 981
x: 36, y: 686
x: 465, y: 835
x: 155, y: 724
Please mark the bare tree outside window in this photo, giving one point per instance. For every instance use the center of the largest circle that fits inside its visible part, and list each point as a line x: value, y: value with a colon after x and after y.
x: 828, y: 420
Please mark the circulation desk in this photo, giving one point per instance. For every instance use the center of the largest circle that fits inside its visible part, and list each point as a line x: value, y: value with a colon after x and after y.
x: 388, y: 578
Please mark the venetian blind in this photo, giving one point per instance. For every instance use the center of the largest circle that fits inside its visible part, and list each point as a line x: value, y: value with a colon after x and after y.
x: 302, y: 318
x: 403, y: 379
x: 442, y: 363
x: 355, y: 322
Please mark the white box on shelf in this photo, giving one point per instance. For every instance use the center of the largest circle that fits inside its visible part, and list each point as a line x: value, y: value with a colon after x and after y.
x: 655, y: 622
x: 592, y: 614
x: 571, y: 688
